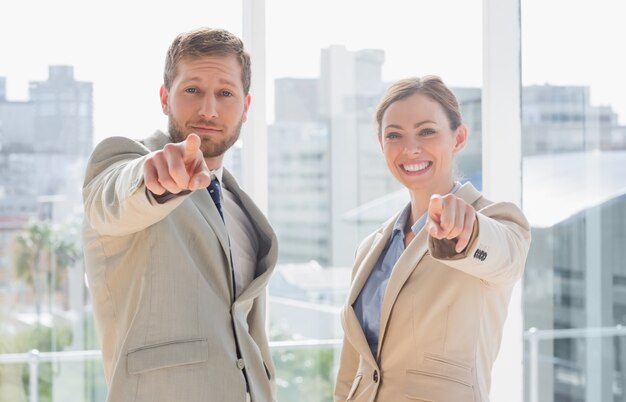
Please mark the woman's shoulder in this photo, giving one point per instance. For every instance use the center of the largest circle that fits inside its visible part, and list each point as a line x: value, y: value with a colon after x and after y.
x: 505, y: 210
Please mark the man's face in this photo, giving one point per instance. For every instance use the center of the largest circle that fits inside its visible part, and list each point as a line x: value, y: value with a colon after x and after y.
x: 207, y: 98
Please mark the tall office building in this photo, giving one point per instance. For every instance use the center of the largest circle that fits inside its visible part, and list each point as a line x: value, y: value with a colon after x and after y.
x: 560, y: 119
x: 324, y: 158
x: 63, y: 113
x: 17, y: 125
x: 574, y: 181
x: 350, y: 87
x: 296, y: 99
x: 575, y: 274
x: 57, y: 117
x: 45, y: 142
x: 299, y: 183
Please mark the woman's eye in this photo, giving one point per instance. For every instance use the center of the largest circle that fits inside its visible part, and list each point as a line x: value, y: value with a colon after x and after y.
x: 428, y: 131
x: 392, y: 136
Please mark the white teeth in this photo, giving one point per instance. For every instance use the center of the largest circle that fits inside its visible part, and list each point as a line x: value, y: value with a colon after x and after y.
x: 415, y: 167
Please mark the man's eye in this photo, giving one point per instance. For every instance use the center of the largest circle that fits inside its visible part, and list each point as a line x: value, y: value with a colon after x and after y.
x: 227, y: 93
x: 191, y: 90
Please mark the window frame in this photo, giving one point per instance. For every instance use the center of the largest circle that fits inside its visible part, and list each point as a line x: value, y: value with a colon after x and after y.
x: 501, y: 162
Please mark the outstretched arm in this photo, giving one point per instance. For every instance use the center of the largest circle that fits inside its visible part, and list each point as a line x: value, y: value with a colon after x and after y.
x: 491, y: 243
x: 125, y: 182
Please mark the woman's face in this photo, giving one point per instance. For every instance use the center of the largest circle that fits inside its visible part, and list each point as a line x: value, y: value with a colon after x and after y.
x: 419, y: 145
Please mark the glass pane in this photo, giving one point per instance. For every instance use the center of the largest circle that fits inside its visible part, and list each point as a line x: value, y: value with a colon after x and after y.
x: 71, y: 74
x: 329, y: 187
x: 574, y: 167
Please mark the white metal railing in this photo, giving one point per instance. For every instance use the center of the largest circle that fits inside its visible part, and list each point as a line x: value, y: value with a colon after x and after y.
x: 34, y: 358
x: 534, y: 336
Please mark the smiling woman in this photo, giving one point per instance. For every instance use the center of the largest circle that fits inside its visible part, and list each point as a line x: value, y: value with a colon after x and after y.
x: 447, y: 262
x: 418, y: 138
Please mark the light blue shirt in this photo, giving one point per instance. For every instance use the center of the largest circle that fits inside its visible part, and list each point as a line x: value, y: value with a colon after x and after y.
x: 369, y: 302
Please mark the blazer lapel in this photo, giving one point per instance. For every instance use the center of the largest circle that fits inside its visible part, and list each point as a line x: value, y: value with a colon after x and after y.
x: 258, y: 219
x: 268, y: 249
x: 401, y: 271
x: 367, y: 264
x: 408, y: 262
x: 202, y: 200
x: 354, y: 334
x: 352, y: 327
x: 364, y: 264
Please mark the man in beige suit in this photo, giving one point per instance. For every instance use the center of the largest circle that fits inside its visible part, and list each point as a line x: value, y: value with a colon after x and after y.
x: 430, y: 289
x: 177, y: 255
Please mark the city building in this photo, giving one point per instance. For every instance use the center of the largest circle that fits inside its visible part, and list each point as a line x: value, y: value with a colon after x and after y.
x: 560, y: 119
x: 575, y: 274
x: 44, y: 145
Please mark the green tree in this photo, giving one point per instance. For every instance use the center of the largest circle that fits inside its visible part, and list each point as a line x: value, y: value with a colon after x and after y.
x: 41, y: 249
x: 42, y: 340
x: 303, y: 375
x: 11, y: 387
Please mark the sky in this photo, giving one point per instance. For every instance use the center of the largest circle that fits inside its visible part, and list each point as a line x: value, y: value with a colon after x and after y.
x: 120, y: 46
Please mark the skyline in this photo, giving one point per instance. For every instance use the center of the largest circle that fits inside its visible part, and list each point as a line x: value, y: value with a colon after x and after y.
x: 445, y: 38
x: 25, y: 98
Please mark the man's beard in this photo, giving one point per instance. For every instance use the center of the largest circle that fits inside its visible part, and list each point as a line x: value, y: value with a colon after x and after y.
x: 211, y: 147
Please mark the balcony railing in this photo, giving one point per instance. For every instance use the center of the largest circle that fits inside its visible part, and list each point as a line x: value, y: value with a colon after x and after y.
x: 34, y: 358
x: 533, y: 336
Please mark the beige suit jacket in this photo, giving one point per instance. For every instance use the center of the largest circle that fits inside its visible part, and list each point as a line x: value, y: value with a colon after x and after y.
x: 161, y: 284
x: 442, y: 314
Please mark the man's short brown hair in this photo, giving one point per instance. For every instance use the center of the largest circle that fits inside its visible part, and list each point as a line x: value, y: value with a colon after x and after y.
x: 203, y: 42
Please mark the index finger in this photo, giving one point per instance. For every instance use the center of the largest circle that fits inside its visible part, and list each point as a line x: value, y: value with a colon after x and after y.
x: 192, y: 145
x: 435, y: 207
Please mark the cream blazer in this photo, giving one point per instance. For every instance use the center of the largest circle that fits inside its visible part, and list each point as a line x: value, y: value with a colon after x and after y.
x: 161, y: 285
x: 442, y: 313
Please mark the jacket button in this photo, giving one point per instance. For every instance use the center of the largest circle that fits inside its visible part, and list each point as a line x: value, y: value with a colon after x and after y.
x: 375, y: 376
x: 240, y: 364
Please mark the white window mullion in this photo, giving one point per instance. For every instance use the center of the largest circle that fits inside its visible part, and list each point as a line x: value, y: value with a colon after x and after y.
x: 502, y: 164
x: 254, y: 131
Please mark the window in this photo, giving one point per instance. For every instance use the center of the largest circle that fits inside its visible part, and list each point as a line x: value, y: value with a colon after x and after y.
x: 72, y: 74
x: 574, y: 181
x: 327, y: 67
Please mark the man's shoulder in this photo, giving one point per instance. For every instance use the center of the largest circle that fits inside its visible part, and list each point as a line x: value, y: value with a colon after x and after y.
x: 118, y: 144
x: 114, y: 150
